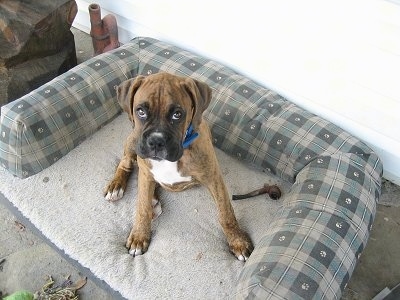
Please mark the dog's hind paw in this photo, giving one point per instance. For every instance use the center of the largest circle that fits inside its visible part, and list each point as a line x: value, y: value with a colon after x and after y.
x: 241, y: 246
x: 156, y: 208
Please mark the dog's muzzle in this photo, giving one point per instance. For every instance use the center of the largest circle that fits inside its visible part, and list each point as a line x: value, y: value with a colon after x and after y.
x: 159, y: 145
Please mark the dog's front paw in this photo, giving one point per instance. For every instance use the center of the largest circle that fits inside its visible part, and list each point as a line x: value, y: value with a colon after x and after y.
x: 137, y: 243
x: 114, y: 190
x: 241, y: 246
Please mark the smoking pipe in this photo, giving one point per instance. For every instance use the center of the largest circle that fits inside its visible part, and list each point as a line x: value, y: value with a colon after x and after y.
x: 273, y: 191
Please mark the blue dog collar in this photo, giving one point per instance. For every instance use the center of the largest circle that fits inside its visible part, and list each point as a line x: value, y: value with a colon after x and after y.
x: 190, y: 136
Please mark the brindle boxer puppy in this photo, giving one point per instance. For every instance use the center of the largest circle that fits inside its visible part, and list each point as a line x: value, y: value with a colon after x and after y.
x: 171, y: 144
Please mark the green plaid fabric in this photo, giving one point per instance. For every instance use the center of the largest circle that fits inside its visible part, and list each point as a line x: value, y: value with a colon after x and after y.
x: 41, y: 127
x: 311, y: 248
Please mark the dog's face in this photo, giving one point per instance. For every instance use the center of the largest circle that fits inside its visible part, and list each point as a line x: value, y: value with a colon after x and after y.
x: 161, y: 107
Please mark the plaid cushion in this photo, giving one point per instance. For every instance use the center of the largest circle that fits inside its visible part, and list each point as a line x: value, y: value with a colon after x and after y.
x: 310, y: 250
x: 41, y: 127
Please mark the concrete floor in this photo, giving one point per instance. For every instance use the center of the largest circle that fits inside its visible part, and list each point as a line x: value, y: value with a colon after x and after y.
x: 28, y: 260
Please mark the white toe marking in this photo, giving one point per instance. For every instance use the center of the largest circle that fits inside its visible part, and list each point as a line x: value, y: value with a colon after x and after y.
x: 114, y: 195
x: 241, y: 258
x: 135, y: 252
x: 109, y: 196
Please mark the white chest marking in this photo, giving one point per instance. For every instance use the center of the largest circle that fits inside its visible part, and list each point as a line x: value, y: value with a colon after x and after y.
x: 166, y: 172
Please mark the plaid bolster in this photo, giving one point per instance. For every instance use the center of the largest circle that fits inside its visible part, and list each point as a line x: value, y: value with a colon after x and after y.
x: 311, y: 248
x: 41, y: 127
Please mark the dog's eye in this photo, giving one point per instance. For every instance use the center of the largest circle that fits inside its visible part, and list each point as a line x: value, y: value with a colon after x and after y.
x: 177, y: 115
x: 141, y: 113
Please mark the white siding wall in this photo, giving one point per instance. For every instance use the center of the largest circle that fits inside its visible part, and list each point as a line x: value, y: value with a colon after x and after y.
x: 339, y: 59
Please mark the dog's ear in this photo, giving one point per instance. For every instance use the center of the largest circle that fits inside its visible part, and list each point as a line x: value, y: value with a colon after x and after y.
x: 126, y: 93
x: 200, y: 94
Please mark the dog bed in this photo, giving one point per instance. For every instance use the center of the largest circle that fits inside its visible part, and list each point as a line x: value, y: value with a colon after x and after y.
x: 307, y: 249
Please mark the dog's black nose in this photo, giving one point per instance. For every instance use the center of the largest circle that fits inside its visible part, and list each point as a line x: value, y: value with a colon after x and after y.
x: 156, y: 141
